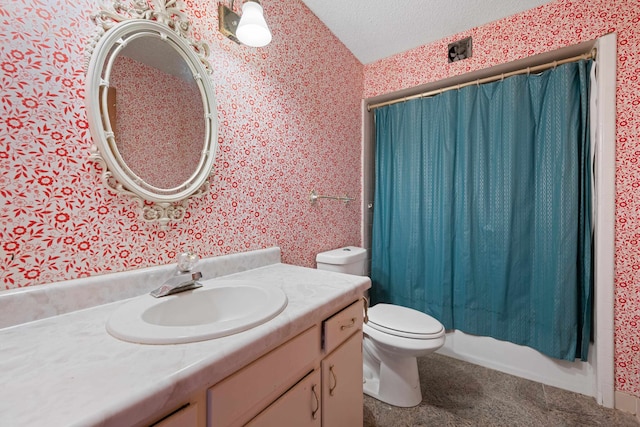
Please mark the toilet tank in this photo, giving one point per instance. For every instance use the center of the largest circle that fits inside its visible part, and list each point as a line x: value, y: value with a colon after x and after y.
x: 349, y: 260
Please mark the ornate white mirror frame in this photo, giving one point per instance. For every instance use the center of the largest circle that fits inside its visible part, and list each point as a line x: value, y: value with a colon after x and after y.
x: 116, y: 27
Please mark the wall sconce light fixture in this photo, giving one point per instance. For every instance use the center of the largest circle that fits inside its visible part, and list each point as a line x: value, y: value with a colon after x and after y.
x: 250, y: 28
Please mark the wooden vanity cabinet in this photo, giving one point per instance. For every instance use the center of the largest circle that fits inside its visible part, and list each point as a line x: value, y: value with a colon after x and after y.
x: 330, y: 396
x: 314, y: 380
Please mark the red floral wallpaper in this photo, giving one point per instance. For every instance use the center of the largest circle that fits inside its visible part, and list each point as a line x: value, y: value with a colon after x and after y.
x: 289, y: 122
x: 558, y: 24
x: 143, y: 107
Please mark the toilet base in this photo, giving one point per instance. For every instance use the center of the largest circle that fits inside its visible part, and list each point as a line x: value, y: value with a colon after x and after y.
x: 392, y: 379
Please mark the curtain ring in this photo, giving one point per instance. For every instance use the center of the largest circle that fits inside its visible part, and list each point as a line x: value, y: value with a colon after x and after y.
x: 502, y: 77
x: 528, y: 71
x: 555, y: 64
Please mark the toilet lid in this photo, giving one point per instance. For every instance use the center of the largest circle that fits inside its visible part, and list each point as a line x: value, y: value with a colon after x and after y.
x: 404, y: 322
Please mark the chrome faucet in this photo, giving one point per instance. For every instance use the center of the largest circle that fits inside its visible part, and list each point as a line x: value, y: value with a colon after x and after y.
x: 177, y: 284
x: 184, y: 280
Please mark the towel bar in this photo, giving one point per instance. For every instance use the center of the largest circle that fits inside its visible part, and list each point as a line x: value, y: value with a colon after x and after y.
x: 313, y: 197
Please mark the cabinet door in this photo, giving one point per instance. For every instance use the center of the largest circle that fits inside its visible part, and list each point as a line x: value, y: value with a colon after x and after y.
x: 300, y: 406
x: 342, y: 385
x: 241, y: 396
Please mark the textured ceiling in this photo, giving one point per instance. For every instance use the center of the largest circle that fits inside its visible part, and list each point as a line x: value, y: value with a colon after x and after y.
x: 376, y: 29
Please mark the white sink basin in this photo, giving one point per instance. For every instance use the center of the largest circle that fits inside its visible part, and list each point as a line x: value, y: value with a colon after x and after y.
x: 219, y: 308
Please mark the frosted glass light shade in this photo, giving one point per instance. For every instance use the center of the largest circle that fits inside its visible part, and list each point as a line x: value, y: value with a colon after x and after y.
x: 252, y: 28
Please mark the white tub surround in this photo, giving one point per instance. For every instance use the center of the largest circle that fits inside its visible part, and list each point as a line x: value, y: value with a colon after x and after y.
x: 67, y: 370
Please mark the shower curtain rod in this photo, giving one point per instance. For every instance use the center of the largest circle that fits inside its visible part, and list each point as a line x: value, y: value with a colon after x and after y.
x: 528, y: 70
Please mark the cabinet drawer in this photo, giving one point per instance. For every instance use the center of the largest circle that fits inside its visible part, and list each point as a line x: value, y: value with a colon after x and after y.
x: 342, y: 325
x: 239, y: 397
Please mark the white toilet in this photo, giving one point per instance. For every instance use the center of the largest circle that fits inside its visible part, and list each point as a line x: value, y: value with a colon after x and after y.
x: 394, y: 337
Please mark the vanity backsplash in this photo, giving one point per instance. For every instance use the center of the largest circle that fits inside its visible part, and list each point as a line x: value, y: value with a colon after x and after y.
x: 39, y: 302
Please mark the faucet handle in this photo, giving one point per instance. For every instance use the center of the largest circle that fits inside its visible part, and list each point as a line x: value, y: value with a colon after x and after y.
x: 186, y: 261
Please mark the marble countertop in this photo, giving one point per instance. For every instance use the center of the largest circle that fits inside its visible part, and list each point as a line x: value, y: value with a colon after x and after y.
x: 67, y: 370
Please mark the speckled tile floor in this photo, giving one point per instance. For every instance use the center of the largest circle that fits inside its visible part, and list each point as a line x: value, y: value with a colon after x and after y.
x: 457, y: 393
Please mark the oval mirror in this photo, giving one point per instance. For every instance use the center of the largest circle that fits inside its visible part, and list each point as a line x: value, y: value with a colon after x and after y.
x: 151, y: 109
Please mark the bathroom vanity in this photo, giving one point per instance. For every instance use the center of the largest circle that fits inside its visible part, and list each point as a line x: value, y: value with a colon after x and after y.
x: 303, y: 367
x: 311, y: 380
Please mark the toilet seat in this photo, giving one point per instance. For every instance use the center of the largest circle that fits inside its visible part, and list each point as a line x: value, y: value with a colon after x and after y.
x: 404, y: 322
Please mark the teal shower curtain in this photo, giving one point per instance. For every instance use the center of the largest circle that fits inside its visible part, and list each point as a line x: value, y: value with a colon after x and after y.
x: 482, y: 213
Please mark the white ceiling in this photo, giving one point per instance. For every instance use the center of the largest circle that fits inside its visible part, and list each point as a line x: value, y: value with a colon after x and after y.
x: 376, y: 29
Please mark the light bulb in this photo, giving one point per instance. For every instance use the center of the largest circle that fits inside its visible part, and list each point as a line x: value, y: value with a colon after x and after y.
x: 252, y: 28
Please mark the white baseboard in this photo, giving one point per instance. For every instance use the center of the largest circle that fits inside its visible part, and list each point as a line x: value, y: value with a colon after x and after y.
x: 628, y: 403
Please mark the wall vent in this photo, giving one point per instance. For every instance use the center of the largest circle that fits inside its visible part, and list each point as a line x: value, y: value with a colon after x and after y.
x: 462, y: 49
